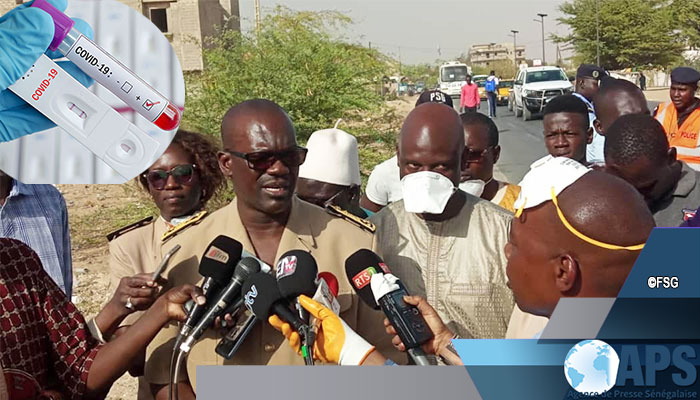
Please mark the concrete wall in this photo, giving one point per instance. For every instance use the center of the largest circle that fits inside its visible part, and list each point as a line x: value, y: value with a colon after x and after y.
x: 189, y: 22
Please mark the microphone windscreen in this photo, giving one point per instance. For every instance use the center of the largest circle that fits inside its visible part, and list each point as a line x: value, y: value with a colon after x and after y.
x: 331, y: 281
x: 296, y: 274
x: 220, y: 258
x: 359, y: 268
x: 260, y: 292
x: 246, y: 267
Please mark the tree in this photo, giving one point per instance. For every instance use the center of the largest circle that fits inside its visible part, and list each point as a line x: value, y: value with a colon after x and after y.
x: 632, y: 32
x: 427, y: 73
x: 297, y: 60
x: 686, y: 14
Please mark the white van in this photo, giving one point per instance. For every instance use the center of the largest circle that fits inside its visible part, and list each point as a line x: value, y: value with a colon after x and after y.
x: 452, y: 76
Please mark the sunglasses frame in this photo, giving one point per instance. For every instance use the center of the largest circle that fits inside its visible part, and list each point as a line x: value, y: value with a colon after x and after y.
x: 169, y: 173
x: 275, y: 154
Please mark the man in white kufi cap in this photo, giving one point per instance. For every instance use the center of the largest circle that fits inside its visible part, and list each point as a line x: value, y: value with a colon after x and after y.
x: 330, y: 176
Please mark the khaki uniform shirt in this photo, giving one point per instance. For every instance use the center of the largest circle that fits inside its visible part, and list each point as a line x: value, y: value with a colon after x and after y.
x: 459, y: 265
x: 136, y: 251
x: 330, y: 241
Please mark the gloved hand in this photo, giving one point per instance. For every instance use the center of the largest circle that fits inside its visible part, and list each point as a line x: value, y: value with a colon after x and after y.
x: 335, y: 341
x: 25, y: 34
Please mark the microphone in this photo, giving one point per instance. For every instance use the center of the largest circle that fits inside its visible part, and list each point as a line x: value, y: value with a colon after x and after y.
x: 216, y: 266
x: 245, y: 267
x: 331, y: 281
x: 327, y: 291
x: 384, y: 291
x: 263, y: 298
x: 296, y: 275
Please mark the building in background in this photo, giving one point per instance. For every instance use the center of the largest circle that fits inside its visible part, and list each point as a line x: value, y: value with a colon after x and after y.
x: 484, y: 55
x: 184, y: 22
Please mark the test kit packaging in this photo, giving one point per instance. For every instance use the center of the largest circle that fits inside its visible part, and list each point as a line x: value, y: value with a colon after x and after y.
x: 122, y: 123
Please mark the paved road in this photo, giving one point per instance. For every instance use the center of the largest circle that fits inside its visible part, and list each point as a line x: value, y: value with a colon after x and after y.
x: 521, y: 143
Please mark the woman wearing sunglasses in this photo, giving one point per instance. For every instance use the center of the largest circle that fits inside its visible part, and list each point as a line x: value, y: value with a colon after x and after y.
x: 180, y: 183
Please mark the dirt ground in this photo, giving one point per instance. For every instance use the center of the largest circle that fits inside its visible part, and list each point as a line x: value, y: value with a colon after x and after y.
x: 94, y: 211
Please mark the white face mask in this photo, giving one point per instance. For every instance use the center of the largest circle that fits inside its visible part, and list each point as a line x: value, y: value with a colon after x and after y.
x: 426, y: 192
x: 474, y: 187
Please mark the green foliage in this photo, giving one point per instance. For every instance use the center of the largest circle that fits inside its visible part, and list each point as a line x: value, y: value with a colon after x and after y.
x: 503, y: 68
x: 632, y: 32
x: 297, y: 60
x: 427, y: 73
x: 686, y: 13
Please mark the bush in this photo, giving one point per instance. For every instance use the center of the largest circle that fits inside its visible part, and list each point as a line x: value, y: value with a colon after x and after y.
x: 297, y: 60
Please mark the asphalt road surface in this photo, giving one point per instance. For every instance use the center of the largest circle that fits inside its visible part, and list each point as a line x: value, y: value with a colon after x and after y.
x: 522, y: 143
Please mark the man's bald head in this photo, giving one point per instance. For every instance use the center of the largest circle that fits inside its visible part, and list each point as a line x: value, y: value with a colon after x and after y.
x: 546, y: 261
x: 615, y: 98
x: 432, y: 139
x: 249, y: 119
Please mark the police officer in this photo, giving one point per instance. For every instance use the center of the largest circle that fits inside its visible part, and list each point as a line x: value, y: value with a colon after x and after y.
x: 681, y: 116
x: 588, y: 77
x: 181, y: 182
x: 330, y: 176
x: 261, y: 158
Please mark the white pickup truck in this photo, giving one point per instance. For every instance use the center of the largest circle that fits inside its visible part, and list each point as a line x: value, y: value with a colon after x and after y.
x: 534, y: 87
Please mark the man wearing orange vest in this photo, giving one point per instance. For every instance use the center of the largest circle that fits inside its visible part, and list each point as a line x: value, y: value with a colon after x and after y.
x: 681, y: 116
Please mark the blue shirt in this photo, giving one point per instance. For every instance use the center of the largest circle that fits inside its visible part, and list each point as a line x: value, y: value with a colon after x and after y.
x: 37, y: 216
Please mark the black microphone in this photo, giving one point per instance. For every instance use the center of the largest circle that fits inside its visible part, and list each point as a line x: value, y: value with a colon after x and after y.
x: 296, y: 275
x: 405, y: 318
x: 228, y: 296
x: 216, y: 266
x: 263, y: 298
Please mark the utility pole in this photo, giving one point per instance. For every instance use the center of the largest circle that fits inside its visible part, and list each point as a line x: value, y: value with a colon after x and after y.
x: 399, y: 60
x: 370, y: 45
x: 515, y: 53
x: 597, y: 34
x: 541, y: 21
x: 257, y: 16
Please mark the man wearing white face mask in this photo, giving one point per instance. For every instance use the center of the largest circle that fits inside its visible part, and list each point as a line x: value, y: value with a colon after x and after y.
x: 443, y: 243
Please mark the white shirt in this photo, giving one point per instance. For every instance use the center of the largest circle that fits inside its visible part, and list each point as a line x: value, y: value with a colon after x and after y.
x: 595, y: 150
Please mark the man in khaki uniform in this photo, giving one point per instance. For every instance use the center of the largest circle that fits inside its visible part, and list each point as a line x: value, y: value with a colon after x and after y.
x: 262, y: 158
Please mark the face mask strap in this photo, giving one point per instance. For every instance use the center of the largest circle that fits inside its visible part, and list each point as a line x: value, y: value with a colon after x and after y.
x: 581, y: 235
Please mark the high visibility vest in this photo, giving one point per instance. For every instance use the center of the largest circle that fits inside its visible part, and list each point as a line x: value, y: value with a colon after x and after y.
x: 686, y: 138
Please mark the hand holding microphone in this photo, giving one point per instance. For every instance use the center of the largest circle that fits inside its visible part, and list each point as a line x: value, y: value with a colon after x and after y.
x: 335, y: 341
x: 441, y: 344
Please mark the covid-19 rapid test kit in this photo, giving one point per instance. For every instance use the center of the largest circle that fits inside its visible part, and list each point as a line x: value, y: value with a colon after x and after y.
x: 71, y: 106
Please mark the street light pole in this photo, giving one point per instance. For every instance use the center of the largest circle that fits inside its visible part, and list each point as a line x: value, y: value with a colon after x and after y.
x: 597, y: 34
x: 541, y: 21
x: 515, y: 57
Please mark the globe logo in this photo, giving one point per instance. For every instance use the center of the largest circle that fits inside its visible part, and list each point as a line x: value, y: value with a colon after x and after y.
x: 591, y: 367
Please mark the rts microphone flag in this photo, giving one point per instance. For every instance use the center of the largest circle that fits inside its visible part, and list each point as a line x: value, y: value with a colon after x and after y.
x: 366, y: 272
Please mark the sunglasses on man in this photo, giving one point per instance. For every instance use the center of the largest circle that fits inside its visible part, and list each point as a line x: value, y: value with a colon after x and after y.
x: 182, y: 174
x: 263, y: 160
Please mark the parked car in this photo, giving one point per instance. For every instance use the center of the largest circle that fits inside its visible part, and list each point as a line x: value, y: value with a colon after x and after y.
x: 534, y: 87
x: 505, y: 86
x: 420, y: 87
x: 480, y: 81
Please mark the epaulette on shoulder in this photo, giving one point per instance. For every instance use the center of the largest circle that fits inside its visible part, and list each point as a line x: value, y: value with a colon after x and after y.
x: 361, y: 222
x: 113, y: 235
x: 193, y: 220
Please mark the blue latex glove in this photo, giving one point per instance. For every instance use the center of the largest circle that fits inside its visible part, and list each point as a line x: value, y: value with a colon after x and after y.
x: 25, y: 34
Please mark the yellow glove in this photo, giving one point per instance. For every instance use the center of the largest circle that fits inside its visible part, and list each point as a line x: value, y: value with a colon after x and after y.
x: 335, y: 341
